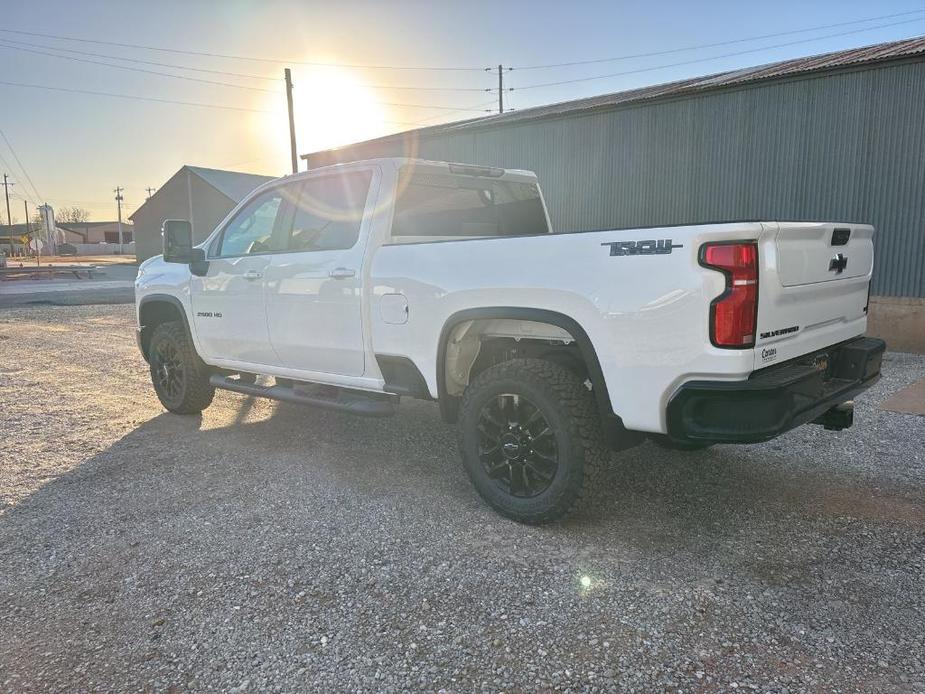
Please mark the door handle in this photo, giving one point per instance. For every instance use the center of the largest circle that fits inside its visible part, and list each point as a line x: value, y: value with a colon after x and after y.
x: 342, y: 273
x: 252, y: 275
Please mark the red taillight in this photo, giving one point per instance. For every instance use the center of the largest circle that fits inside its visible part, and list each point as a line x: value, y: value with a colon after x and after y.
x: 734, y: 313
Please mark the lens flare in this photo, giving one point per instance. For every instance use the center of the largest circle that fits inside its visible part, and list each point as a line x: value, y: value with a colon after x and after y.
x: 332, y: 108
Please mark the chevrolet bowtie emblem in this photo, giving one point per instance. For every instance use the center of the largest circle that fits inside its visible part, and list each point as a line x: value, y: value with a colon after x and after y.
x: 838, y: 263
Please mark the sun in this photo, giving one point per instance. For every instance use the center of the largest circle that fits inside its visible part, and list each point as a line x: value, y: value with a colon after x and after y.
x: 332, y: 107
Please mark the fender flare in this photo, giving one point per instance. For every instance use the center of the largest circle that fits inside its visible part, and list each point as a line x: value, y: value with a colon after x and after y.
x: 162, y: 298
x: 448, y: 404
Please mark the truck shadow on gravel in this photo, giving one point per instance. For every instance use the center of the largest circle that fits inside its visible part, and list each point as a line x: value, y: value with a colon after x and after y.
x: 650, y: 499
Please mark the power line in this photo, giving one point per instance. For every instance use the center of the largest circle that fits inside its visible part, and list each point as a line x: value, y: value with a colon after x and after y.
x: 242, y: 57
x: 95, y: 203
x: 201, y: 104
x: 425, y: 121
x: 441, y: 108
x: 144, y: 62
x: 6, y: 164
x: 175, y: 66
x: 715, y: 57
x: 25, y: 189
x: 21, y: 167
x: 196, y: 79
x: 139, y: 69
x: 425, y: 89
x: 137, y: 98
x: 718, y: 43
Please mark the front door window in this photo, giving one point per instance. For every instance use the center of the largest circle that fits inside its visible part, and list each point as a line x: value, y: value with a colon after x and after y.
x: 254, y: 229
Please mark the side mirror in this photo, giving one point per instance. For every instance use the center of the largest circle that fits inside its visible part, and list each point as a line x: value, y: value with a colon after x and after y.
x: 178, y: 241
x: 178, y: 246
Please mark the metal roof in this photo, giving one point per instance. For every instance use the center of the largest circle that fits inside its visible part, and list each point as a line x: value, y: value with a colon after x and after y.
x: 853, y: 57
x: 232, y: 184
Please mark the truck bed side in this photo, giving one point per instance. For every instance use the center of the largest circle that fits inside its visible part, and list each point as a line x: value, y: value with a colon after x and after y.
x: 644, y: 311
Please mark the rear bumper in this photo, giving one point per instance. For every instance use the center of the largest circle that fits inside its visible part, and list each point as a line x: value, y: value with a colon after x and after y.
x: 775, y: 399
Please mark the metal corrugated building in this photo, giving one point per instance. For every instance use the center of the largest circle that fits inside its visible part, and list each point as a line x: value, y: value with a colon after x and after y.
x: 839, y: 136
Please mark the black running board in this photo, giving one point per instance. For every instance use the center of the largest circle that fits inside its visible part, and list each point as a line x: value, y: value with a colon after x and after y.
x: 354, y: 402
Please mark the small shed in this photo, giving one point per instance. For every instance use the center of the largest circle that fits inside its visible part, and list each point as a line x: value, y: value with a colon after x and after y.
x: 203, y: 196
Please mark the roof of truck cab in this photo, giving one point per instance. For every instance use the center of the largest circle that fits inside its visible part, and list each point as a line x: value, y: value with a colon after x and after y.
x: 400, y: 162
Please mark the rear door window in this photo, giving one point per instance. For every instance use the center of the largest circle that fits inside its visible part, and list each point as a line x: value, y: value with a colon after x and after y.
x: 438, y: 205
x: 329, y: 212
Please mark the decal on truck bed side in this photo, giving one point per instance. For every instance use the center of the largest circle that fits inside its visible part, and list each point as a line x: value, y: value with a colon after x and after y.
x: 647, y: 247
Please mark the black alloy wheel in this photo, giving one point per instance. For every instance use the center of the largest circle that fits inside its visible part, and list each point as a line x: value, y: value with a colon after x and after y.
x: 530, y: 439
x: 518, y: 447
x: 167, y: 370
x: 179, y: 376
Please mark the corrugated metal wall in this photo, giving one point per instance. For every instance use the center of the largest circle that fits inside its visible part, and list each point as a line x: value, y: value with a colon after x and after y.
x: 845, y: 146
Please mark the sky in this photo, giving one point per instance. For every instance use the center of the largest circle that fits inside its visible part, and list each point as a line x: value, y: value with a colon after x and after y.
x: 76, y: 148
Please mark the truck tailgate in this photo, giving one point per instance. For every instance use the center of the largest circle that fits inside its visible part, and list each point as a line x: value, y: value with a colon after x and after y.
x: 813, y: 287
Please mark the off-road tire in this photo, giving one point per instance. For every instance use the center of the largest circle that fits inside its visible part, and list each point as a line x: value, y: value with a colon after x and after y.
x: 571, y: 413
x: 193, y: 392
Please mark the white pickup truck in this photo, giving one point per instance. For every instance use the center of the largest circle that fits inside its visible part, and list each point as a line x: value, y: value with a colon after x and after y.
x: 350, y: 286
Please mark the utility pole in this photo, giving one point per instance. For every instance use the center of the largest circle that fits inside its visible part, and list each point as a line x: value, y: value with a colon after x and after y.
x: 9, y: 220
x: 119, y: 198
x: 150, y: 192
x: 500, y: 85
x: 500, y: 89
x: 292, y: 147
x: 38, y: 251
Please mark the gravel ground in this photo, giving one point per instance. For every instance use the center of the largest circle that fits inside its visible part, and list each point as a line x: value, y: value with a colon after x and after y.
x: 268, y: 547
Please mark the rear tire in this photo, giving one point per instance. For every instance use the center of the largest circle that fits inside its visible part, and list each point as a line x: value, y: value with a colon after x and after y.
x: 180, y: 377
x: 530, y: 439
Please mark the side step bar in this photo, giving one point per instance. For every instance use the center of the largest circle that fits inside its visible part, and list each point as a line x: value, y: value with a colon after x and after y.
x: 354, y: 402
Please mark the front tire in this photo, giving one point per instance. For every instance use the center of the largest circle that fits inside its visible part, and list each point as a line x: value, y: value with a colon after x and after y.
x: 530, y: 438
x: 180, y: 377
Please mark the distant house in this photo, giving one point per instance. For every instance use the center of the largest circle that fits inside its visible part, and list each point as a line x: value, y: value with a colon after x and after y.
x: 19, y: 235
x: 202, y: 196
x: 95, y: 232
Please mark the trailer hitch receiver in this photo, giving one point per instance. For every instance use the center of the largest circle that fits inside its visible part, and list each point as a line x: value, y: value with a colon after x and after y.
x: 838, y: 418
